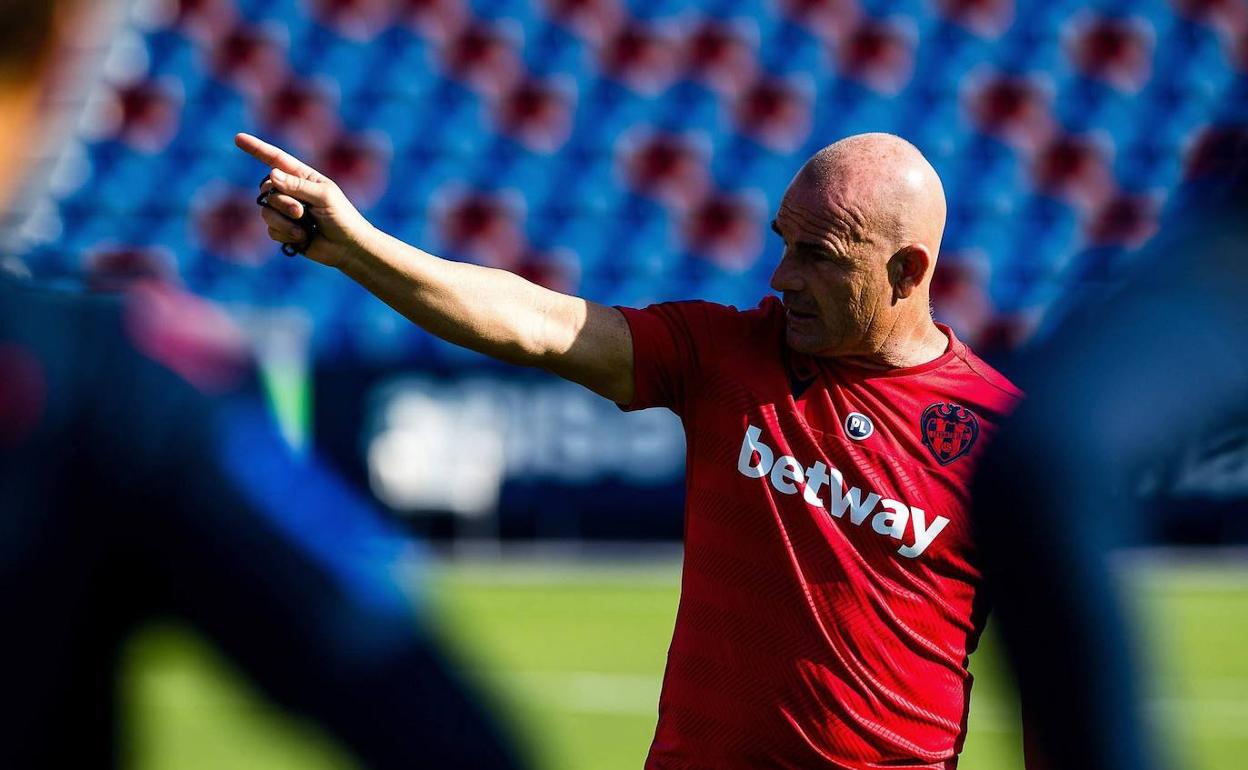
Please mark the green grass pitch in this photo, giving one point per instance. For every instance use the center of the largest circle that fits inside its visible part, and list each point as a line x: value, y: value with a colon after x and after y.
x: 573, y: 655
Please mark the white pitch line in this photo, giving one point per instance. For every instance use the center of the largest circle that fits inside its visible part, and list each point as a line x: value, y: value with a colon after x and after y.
x: 601, y: 692
x: 588, y: 692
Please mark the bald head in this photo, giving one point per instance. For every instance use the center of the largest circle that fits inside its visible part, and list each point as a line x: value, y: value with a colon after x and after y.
x: 885, y: 183
x: 862, y: 223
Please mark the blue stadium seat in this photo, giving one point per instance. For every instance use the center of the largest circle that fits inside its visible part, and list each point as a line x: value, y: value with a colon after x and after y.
x: 552, y: 50
x: 787, y: 48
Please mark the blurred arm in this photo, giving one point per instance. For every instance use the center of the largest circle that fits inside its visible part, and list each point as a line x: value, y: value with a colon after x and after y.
x: 133, y: 494
x: 484, y: 309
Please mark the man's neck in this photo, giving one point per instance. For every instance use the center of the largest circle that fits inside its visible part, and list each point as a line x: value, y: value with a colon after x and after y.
x: 905, y: 346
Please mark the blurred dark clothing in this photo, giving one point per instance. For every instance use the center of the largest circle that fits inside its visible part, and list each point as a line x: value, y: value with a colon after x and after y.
x: 1124, y: 384
x: 127, y: 493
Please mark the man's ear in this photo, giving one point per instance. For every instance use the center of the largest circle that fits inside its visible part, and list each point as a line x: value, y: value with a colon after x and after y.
x: 907, y: 269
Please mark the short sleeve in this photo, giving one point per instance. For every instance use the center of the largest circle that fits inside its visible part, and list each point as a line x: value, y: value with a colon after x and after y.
x: 674, y: 346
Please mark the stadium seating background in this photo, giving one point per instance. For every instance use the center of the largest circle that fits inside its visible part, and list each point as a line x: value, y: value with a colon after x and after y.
x: 635, y: 150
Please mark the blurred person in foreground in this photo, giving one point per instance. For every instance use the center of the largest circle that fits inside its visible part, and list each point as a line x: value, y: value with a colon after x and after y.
x: 1132, y: 376
x: 128, y: 493
x: 830, y: 595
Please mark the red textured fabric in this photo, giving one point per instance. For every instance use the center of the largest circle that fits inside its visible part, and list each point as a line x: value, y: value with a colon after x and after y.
x: 816, y: 631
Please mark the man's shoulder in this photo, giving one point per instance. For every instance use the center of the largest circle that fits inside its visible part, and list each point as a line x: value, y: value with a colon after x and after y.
x: 763, y: 317
x: 714, y: 321
x: 987, y: 384
x: 767, y: 307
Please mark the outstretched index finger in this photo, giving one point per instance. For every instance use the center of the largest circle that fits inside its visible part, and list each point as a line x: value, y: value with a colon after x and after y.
x: 274, y: 157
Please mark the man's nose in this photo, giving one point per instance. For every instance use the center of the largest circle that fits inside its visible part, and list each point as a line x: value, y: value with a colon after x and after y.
x: 786, y: 277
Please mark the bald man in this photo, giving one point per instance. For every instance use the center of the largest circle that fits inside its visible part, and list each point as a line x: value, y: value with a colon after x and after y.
x: 831, y: 590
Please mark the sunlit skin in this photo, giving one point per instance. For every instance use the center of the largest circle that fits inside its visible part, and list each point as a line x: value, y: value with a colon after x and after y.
x: 862, y: 223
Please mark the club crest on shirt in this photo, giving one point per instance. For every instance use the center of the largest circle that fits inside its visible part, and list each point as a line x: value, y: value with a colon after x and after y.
x: 949, y: 431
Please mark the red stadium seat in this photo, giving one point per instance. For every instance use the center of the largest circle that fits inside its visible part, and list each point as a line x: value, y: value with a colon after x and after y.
x: 484, y: 227
x: 1214, y: 149
x: 355, y: 19
x: 668, y: 168
x: 1237, y: 48
x: 301, y: 110
x: 147, y: 114
x: 537, y: 114
x: 1074, y: 168
x: 204, y: 20
x: 436, y: 20
x: 556, y: 270
x: 1124, y: 220
x: 1228, y: 15
x: 986, y: 18
x: 1013, y: 108
x: 727, y: 229
x: 226, y: 225
x: 359, y: 164
x: 1005, y: 332
x: 642, y: 57
x: 1117, y: 51
x: 959, y: 292
x: 827, y: 19
x: 879, y: 54
x: 720, y: 56
x: 250, y: 59
x: 112, y: 269
x: 594, y: 21
x: 483, y: 58
x: 774, y: 112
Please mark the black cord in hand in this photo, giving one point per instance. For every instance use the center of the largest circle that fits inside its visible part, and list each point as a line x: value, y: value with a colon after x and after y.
x: 307, y: 222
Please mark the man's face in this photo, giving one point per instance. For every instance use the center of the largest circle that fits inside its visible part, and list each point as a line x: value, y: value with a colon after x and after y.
x: 833, y: 275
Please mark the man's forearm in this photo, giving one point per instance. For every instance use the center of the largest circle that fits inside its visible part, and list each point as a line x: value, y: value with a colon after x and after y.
x: 490, y: 311
x: 484, y: 309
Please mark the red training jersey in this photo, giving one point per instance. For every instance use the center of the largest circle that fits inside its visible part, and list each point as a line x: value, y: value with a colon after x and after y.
x: 829, y: 594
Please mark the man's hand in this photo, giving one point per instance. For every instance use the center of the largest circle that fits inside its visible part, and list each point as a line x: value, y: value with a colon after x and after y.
x: 484, y: 309
x: 297, y: 187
